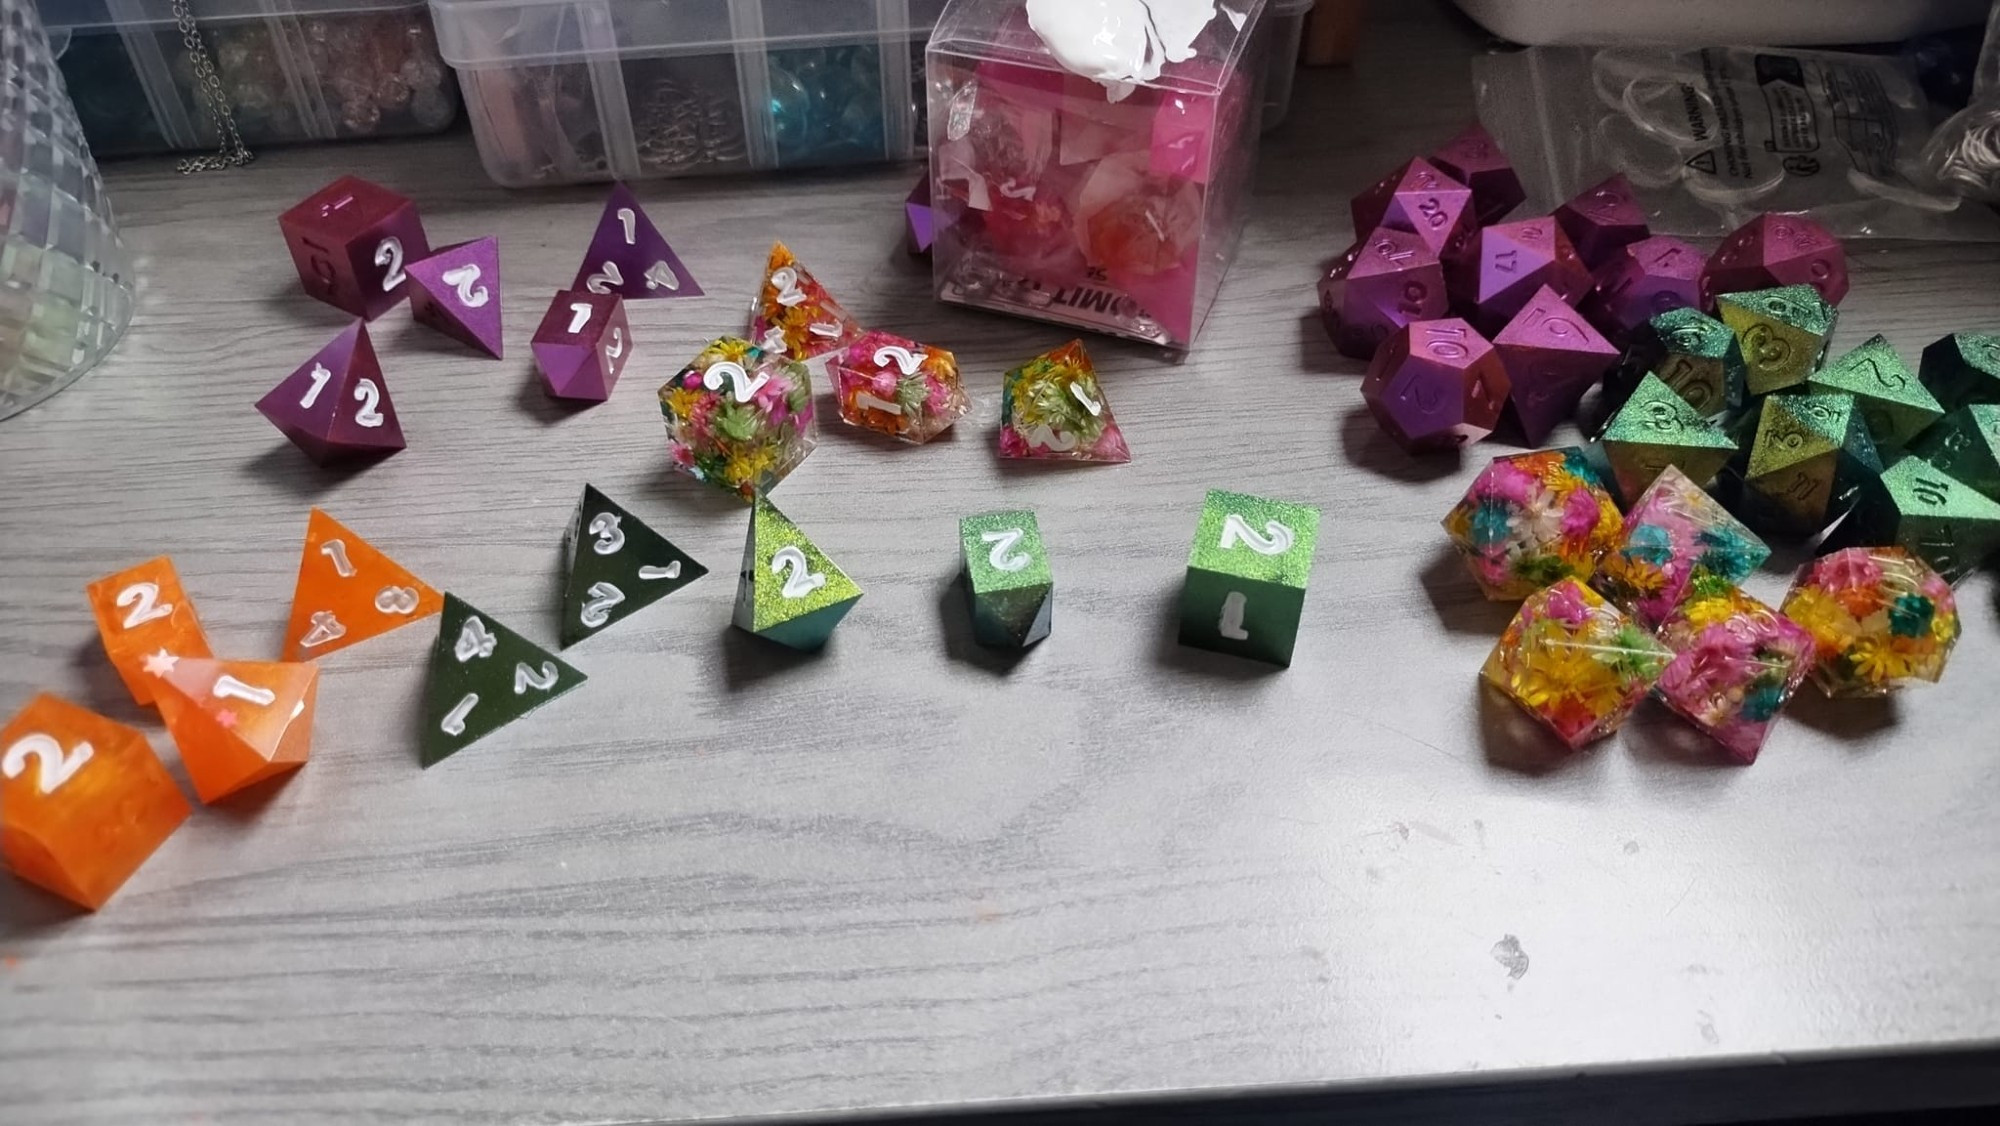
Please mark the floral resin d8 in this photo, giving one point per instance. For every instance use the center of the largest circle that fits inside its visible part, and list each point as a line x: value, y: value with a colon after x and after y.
x: 1573, y: 661
x: 1089, y: 169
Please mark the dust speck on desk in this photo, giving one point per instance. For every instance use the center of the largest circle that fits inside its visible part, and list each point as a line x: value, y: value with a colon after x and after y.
x: 1508, y: 953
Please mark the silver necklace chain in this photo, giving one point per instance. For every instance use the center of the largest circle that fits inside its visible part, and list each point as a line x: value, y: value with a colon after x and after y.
x: 208, y: 85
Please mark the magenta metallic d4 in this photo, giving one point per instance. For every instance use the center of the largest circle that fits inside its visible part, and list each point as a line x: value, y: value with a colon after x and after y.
x: 1091, y: 168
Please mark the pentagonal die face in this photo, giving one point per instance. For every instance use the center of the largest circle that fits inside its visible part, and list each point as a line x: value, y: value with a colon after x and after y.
x: 1436, y: 385
x: 1383, y: 283
x: 1778, y: 250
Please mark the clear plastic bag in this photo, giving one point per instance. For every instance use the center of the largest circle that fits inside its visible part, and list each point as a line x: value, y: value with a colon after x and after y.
x: 1712, y: 137
x: 1964, y: 153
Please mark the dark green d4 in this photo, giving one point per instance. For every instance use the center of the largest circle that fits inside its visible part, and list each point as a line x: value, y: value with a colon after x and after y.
x: 1007, y: 570
x: 483, y: 676
x: 617, y: 567
x: 1246, y: 577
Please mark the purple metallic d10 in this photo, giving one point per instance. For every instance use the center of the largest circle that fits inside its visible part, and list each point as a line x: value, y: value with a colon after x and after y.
x: 1436, y: 385
x: 1418, y: 198
x: 1603, y: 220
x: 1381, y: 284
x: 1503, y: 266
x: 457, y: 292
x: 1552, y: 357
x: 1775, y: 250
x: 629, y: 256
x: 1643, y: 280
x: 337, y: 404
x: 1473, y: 159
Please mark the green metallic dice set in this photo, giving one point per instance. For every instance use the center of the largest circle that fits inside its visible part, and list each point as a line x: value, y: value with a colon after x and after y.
x: 1246, y: 576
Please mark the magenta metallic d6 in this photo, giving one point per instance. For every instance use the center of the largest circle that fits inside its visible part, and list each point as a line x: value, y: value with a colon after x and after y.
x: 1642, y: 280
x: 1381, y: 284
x: 1503, y: 266
x: 1775, y: 250
x: 1603, y: 220
x: 1552, y: 357
x: 1422, y: 200
x: 1436, y: 385
x: 1089, y: 168
x: 351, y: 241
x: 1475, y: 160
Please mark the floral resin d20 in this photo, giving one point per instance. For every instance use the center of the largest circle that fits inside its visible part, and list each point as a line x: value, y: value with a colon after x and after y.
x: 1777, y: 250
x: 1052, y: 407
x: 1783, y: 333
x: 1552, y: 357
x: 1007, y: 573
x: 1676, y: 540
x: 739, y: 419
x: 1420, y: 199
x: 1503, y: 267
x: 1736, y: 664
x: 795, y: 317
x: 898, y: 387
x: 1531, y: 520
x: 1575, y: 662
x: 1436, y: 385
x: 1246, y: 576
x: 1880, y: 619
x: 1603, y: 220
x: 1380, y: 285
x: 1893, y: 403
x: 1474, y: 159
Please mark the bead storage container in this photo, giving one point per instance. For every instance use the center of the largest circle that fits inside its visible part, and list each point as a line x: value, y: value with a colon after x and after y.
x: 565, y: 91
x: 1091, y: 170
x: 292, y: 71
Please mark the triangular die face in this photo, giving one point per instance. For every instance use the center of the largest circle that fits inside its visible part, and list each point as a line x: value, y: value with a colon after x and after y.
x: 349, y: 592
x: 786, y: 577
x: 795, y: 316
x: 364, y: 416
x: 628, y: 256
x: 238, y: 722
x: 1053, y: 407
x: 617, y: 567
x: 457, y: 292
x: 483, y: 676
x: 306, y: 402
x: 562, y: 365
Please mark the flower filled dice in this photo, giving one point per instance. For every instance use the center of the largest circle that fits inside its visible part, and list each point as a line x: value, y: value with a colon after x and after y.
x: 1736, y: 664
x: 1880, y: 618
x: 1574, y: 662
x: 1052, y: 407
x: 739, y: 419
x: 1531, y: 520
x: 795, y: 317
x: 898, y: 387
x: 1677, y: 541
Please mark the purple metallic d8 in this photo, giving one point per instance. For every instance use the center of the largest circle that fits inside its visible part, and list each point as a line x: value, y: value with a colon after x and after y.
x: 1503, y: 266
x: 1552, y: 357
x: 1436, y: 385
x: 1603, y: 220
x: 1643, y: 280
x: 1473, y: 159
x: 1420, y: 199
x: 1381, y: 284
x: 1775, y: 250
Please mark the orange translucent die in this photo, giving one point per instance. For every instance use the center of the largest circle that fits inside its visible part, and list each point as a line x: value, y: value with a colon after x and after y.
x: 237, y: 722
x: 83, y: 801
x: 143, y: 612
x: 349, y: 592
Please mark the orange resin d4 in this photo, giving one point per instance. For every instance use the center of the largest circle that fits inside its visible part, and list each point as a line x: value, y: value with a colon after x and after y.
x: 83, y: 801
x: 349, y: 592
x: 142, y: 613
x: 237, y: 722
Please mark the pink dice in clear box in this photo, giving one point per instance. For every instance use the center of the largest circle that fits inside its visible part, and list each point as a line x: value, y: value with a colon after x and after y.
x: 351, y: 242
x: 1114, y: 206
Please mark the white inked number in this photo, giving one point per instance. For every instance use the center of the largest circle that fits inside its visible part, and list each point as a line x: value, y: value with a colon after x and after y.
x: 597, y: 611
x: 616, y: 348
x: 144, y: 601
x: 1041, y: 435
x: 399, y: 600
x: 454, y: 720
x: 827, y: 329
x: 319, y: 377
x: 610, y: 537
x: 867, y: 402
x: 579, y: 315
x: 731, y: 372
x: 1003, y: 543
x: 325, y: 628
x: 800, y: 578
x: 601, y: 282
x: 526, y: 678
x: 1276, y: 540
x: 389, y: 252
x: 370, y: 398
x: 654, y: 574
x: 57, y: 767
x: 1231, y: 625
x: 787, y: 281
x: 474, y: 640
x: 337, y: 551
x: 908, y: 362
x: 774, y: 341
x: 230, y: 688
x: 463, y: 278
x: 662, y: 276
x: 1092, y: 405
x: 630, y: 220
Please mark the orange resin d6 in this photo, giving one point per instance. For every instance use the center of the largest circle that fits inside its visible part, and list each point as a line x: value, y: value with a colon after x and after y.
x: 83, y: 801
x: 143, y: 614
x: 237, y: 722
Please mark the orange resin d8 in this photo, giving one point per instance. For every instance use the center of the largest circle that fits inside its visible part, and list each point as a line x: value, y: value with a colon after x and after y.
x: 142, y: 615
x: 237, y: 722
x: 83, y: 801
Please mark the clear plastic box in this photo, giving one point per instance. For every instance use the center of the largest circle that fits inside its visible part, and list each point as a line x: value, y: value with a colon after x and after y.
x: 561, y: 91
x: 1059, y: 198
x: 1287, y: 20
x: 293, y: 70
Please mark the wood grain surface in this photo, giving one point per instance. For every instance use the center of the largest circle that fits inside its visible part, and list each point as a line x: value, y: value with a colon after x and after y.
x: 724, y: 880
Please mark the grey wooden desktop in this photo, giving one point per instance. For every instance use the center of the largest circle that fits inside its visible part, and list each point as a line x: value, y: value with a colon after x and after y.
x: 725, y: 881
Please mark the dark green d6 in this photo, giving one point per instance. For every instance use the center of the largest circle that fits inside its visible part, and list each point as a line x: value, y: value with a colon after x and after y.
x: 1246, y: 579
x: 1007, y: 569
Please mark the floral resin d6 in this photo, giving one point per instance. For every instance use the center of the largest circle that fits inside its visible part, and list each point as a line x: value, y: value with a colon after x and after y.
x: 1677, y: 542
x: 1880, y: 618
x: 1736, y: 664
x: 1573, y: 661
x: 1531, y: 520
x: 739, y: 419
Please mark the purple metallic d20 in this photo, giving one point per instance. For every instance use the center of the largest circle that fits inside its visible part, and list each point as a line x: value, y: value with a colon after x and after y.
x: 351, y: 241
x: 457, y: 292
x: 1418, y: 198
x: 1503, y: 266
x: 337, y: 403
x: 1436, y: 385
x: 1603, y: 220
x: 1473, y: 159
x: 629, y: 257
x: 583, y: 344
x: 1775, y: 250
x: 1649, y: 277
x: 1381, y: 284
x: 1552, y: 357
x: 919, y: 224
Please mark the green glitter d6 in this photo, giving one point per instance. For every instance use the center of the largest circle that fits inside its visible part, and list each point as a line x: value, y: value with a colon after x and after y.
x: 1894, y: 405
x: 789, y: 591
x: 1783, y: 333
x: 1246, y: 579
x: 1916, y: 506
x: 1657, y: 428
x: 1966, y: 444
x: 1007, y: 568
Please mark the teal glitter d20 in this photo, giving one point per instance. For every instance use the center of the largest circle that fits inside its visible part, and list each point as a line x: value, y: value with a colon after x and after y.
x: 1246, y: 578
x: 1783, y: 333
x: 789, y: 591
x: 1809, y: 460
x: 1916, y: 506
x: 617, y: 567
x: 1966, y: 444
x: 1893, y: 403
x: 1962, y: 369
x: 483, y: 676
x: 1007, y: 569
x: 1657, y: 428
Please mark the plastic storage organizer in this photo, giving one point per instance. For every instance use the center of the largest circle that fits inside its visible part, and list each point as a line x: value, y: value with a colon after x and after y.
x: 561, y: 91
x: 292, y: 70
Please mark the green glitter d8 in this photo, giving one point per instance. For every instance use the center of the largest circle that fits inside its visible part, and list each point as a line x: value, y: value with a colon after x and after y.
x: 1895, y: 406
x: 1007, y: 568
x: 1962, y: 369
x: 1657, y: 428
x: 1246, y: 579
x: 1810, y: 458
x: 789, y: 591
